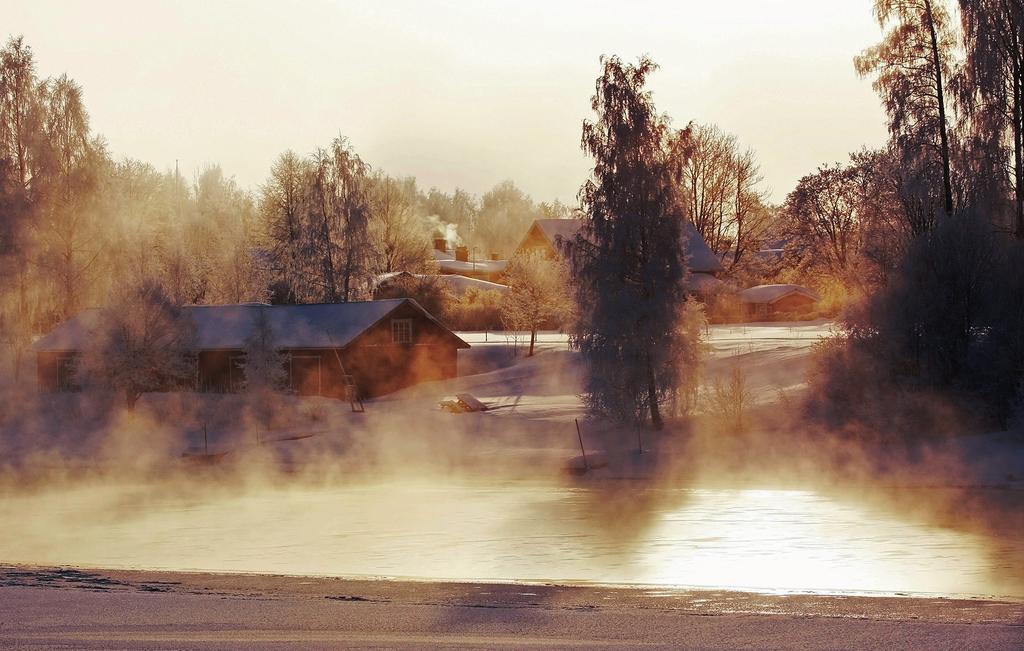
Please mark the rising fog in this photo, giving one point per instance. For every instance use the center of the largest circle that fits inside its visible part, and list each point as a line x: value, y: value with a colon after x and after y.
x: 895, y: 398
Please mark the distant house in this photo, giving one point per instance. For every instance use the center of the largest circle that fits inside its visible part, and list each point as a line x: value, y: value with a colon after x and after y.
x: 458, y: 262
x: 777, y: 301
x: 549, y: 235
x: 377, y: 346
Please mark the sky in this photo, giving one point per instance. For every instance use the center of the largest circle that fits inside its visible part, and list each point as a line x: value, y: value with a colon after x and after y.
x: 458, y: 94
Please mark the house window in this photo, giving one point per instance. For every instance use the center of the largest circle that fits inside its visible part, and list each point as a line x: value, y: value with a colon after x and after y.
x: 401, y: 331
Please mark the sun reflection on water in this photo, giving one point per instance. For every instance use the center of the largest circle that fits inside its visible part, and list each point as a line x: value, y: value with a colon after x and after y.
x: 758, y: 539
x: 800, y: 540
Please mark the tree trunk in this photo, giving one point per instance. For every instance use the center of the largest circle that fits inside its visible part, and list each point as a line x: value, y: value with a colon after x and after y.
x: 947, y: 185
x: 24, y: 327
x: 18, y: 352
x: 1018, y: 144
x: 652, y: 397
x: 533, y: 338
x: 348, y: 275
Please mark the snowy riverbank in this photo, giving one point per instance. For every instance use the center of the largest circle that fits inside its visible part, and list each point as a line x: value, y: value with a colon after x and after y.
x: 72, y: 608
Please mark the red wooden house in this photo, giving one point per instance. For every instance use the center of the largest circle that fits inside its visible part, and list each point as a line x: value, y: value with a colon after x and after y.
x: 377, y: 346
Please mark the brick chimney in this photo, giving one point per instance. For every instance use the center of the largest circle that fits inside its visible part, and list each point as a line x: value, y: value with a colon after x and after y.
x: 494, y: 256
x: 440, y: 244
x: 462, y: 253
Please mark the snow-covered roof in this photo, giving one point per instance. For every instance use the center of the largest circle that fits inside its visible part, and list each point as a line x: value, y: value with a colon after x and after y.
x: 454, y: 282
x: 71, y: 334
x: 701, y: 257
x: 220, y: 327
x: 459, y: 284
x: 479, y: 267
x: 772, y: 293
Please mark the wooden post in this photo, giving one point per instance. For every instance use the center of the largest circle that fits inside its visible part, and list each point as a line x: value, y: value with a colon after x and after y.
x: 206, y: 441
x: 586, y: 465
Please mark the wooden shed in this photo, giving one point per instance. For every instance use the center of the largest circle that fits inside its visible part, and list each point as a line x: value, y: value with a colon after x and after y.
x: 765, y: 302
x: 376, y: 346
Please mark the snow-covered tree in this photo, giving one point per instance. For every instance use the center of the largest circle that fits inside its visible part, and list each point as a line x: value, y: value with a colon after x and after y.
x: 629, y: 258
x: 537, y: 295
x: 143, y: 342
x: 265, y: 365
x: 398, y: 236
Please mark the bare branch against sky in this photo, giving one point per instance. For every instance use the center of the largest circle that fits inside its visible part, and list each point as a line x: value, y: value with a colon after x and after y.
x: 456, y: 93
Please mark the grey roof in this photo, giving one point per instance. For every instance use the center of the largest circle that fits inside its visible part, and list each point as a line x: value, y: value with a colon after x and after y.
x: 220, y: 327
x: 772, y: 293
x: 559, y: 228
x: 700, y: 256
x: 702, y: 283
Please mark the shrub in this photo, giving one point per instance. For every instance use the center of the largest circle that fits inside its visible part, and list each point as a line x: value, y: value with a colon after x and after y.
x: 475, y: 310
x: 943, y: 336
x: 729, y: 401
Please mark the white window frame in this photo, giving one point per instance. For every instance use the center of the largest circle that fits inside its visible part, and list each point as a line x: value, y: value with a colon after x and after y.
x: 401, y: 331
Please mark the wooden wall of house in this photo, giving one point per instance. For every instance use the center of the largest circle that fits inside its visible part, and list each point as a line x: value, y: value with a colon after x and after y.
x: 215, y: 370
x: 380, y: 365
x: 792, y: 304
x: 536, y: 241
x: 316, y: 372
x: 55, y: 371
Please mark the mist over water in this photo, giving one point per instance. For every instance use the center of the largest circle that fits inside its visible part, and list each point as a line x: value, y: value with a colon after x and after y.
x: 407, y: 490
x: 790, y: 540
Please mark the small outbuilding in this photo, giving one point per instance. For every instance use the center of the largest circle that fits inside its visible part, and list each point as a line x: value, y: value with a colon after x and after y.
x: 777, y: 302
x: 550, y: 236
x: 376, y: 346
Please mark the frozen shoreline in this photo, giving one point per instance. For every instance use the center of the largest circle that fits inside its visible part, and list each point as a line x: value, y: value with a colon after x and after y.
x: 105, y: 609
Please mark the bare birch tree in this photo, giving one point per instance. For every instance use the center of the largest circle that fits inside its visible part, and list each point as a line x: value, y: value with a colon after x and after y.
x: 912, y: 66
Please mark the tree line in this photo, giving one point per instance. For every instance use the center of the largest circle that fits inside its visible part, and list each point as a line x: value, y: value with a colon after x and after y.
x: 924, y: 236
x: 80, y: 227
x: 952, y: 97
x: 929, y: 228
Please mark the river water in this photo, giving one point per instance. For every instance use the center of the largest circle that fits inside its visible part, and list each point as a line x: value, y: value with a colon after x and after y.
x: 789, y: 540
